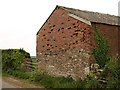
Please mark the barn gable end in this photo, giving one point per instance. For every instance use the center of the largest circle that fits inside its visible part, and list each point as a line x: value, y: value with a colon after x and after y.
x: 64, y: 43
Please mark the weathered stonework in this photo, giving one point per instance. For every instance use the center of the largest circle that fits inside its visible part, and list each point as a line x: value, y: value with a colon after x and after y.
x: 69, y: 63
x: 66, y: 39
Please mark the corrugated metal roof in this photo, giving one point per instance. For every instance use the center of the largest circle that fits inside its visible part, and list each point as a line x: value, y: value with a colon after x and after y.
x: 94, y: 16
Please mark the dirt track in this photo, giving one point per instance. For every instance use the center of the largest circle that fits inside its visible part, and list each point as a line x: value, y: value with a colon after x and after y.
x: 8, y: 85
x: 11, y: 82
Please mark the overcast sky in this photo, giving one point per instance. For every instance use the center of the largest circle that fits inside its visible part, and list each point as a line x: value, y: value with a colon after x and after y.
x: 21, y: 19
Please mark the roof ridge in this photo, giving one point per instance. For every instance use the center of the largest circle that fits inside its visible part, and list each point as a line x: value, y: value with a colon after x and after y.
x: 93, y: 16
x: 86, y: 11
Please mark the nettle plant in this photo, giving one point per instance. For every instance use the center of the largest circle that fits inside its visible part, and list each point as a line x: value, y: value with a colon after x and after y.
x: 101, y: 51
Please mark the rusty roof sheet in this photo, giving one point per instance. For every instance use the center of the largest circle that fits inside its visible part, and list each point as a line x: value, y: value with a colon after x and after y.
x: 94, y: 16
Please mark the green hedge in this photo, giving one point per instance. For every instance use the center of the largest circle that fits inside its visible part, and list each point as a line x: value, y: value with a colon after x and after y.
x: 12, y: 59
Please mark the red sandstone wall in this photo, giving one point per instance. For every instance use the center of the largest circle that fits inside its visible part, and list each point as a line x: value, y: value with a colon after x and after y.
x: 63, y: 46
x: 63, y: 32
x: 111, y: 33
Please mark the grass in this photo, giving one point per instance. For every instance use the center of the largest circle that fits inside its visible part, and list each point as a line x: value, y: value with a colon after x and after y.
x: 54, y: 82
x: 45, y: 80
x: 111, y: 73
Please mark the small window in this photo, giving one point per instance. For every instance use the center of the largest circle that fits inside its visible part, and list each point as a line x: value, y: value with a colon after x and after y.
x: 77, y: 42
x: 51, y: 30
x: 47, y: 44
x: 77, y: 30
x: 75, y: 26
x: 48, y: 49
x: 75, y: 34
x: 82, y: 30
x: 73, y: 23
x: 69, y: 28
x: 58, y: 30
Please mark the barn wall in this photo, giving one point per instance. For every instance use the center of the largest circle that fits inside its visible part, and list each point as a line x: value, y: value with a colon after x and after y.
x: 111, y: 34
x: 62, y: 31
x: 64, y: 46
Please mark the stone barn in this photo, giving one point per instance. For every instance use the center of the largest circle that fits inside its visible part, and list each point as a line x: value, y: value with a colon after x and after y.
x: 65, y: 41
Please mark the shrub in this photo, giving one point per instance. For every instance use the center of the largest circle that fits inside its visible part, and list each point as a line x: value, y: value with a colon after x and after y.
x: 112, y: 74
x: 13, y: 58
x: 101, y: 51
